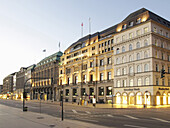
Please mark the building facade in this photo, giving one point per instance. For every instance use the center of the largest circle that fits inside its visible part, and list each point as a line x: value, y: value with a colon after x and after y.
x: 121, y: 64
x: 45, y: 78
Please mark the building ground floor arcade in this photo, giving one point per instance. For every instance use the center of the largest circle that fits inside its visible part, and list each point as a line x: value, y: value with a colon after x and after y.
x: 149, y: 95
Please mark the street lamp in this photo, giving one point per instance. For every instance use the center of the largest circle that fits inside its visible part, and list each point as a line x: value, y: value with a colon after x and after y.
x: 81, y: 77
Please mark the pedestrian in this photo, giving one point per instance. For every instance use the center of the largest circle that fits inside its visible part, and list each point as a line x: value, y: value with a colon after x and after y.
x: 94, y: 102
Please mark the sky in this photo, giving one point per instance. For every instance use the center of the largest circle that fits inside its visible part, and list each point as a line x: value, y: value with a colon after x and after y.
x: 27, y: 27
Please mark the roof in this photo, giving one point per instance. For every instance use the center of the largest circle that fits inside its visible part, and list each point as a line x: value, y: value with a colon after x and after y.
x: 131, y: 17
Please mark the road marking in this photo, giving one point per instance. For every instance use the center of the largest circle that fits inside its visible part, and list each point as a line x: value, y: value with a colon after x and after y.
x: 161, y: 120
x: 131, y: 117
x: 133, y: 126
x: 74, y: 111
x: 89, y: 120
x: 88, y: 112
x: 109, y: 115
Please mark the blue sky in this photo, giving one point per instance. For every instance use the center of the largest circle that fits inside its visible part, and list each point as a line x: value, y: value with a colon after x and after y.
x: 29, y: 26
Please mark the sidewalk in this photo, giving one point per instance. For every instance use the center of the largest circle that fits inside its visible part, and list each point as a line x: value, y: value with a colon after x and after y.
x: 15, y: 118
x: 102, y: 105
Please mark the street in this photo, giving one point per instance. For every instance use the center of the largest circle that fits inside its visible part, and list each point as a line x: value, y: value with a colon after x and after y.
x: 110, y: 117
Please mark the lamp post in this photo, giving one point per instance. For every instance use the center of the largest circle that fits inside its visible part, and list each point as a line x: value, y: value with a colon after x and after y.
x: 81, y: 77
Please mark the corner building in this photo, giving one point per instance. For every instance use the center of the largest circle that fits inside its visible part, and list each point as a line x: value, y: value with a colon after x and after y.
x: 124, y: 60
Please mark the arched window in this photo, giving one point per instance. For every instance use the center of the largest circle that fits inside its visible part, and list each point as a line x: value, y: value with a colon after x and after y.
x: 123, y: 49
x: 123, y: 71
x: 146, y: 54
x: 117, y: 61
x: 146, y: 67
x: 145, y: 43
x: 138, y: 56
x: 137, y: 45
x: 117, y: 51
x: 130, y: 47
x: 130, y: 58
x: 131, y: 82
x: 139, y: 82
x: 146, y: 81
x: 130, y: 70
x: 123, y: 59
x: 139, y: 68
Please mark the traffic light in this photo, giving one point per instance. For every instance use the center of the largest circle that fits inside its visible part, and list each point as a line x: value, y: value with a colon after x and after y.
x: 162, y: 73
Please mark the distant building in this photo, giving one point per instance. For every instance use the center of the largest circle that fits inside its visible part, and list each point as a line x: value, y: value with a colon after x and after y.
x: 46, y: 78
x: 1, y: 89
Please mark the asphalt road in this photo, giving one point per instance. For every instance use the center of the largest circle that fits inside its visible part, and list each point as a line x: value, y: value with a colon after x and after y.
x: 110, y: 117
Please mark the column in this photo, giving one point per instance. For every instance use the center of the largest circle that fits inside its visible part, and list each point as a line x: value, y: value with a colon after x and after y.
x: 153, y: 100
x: 104, y: 94
x: 135, y: 100
x: 161, y: 100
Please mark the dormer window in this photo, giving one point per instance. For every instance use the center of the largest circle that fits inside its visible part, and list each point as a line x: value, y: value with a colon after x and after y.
x: 124, y: 26
x: 131, y: 23
x: 138, y: 20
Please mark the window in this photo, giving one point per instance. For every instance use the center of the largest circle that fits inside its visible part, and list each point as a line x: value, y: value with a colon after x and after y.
x: 67, y: 92
x: 61, y: 72
x: 139, y: 68
x: 105, y: 43
x: 130, y: 35
x: 123, y: 49
x: 162, y: 56
x: 108, y: 75
x: 139, y: 82
x: 93, y: 48
x: 130, y: 47
x: 105, y: 50
x: 137, y: 45
x: 145, y: 43
x: 154, y: 29
x: 123, y: 59
x: 68, y: 80
x: 108, y: 42
x: 124, y: 26
x: 123, y: 71
x: 138, y: 32
x: 167, y: 34
x: 123, y: 38
x: 162, y: 45
x: 168, y: 57
x: 130, y: 58
x: 108, y: 49
x: 102, y: 44
x: 118, y: 83
x: 161, y: 32
x: 101, y: 62
x: 168, y: 69
x: 124, y: 83
x: 118, y: 72
x: 157, y: 81
x: 84, y: 78
x: 112, y: 41
x: 163, y: 67
x: 156, y: 54
x: 145, y: 54
x: 117, y: 39
x: 117, y: 61
x: 76, y: 80
x: 131, y: 82
x: 138, y: 56
x: 146, y: 30
x: 109, y: 60
x: 131, y: 23
x: 101, y: 76
x: 157, y: 68
x: 91, y: 78
x: 130, y: 70
x: 156, y: 42
x: 146, y: 67
x: 91, y: 64
x: 111, y: 48
x: 138, y: 20
x: 163, y: 82
x: 99, y: 45
x: 147, y: 81
x: 101, y: 91
x: 117, y: 51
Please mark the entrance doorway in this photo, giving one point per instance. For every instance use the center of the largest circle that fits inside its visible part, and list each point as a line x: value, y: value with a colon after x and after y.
x: 164, y: 99
x: 139, y: 98
x: 147, y: 98
x: 124, y: 98
x: 158, y: 98
x: 118, y: 98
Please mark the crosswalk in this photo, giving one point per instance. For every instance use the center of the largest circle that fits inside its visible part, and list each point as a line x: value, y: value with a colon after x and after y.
x: 113, y: 116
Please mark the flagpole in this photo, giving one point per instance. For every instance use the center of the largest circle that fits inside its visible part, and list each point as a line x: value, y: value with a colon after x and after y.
x: 82, y: 29
x: 59, y: 46
x: 89, y: 25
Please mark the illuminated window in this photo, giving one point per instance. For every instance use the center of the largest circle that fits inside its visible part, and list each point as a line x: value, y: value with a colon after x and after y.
x: 131, y: 82
x: 124, y: 26
x: 139, y: 82
x: 147, y: 81
x: 84, y: 78
x: 101, y: 76
x: 138, y: 20
x: 76, y: 79
x: 154, y: 29
x: 130, y: 35
x: 118, y: 72
x: 146, y: 30
x: 118, y: 83
x: 68, y: 80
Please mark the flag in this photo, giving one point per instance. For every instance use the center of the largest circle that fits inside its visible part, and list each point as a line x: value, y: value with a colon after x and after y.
x: 82, y: 24
x: 44, y: 50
